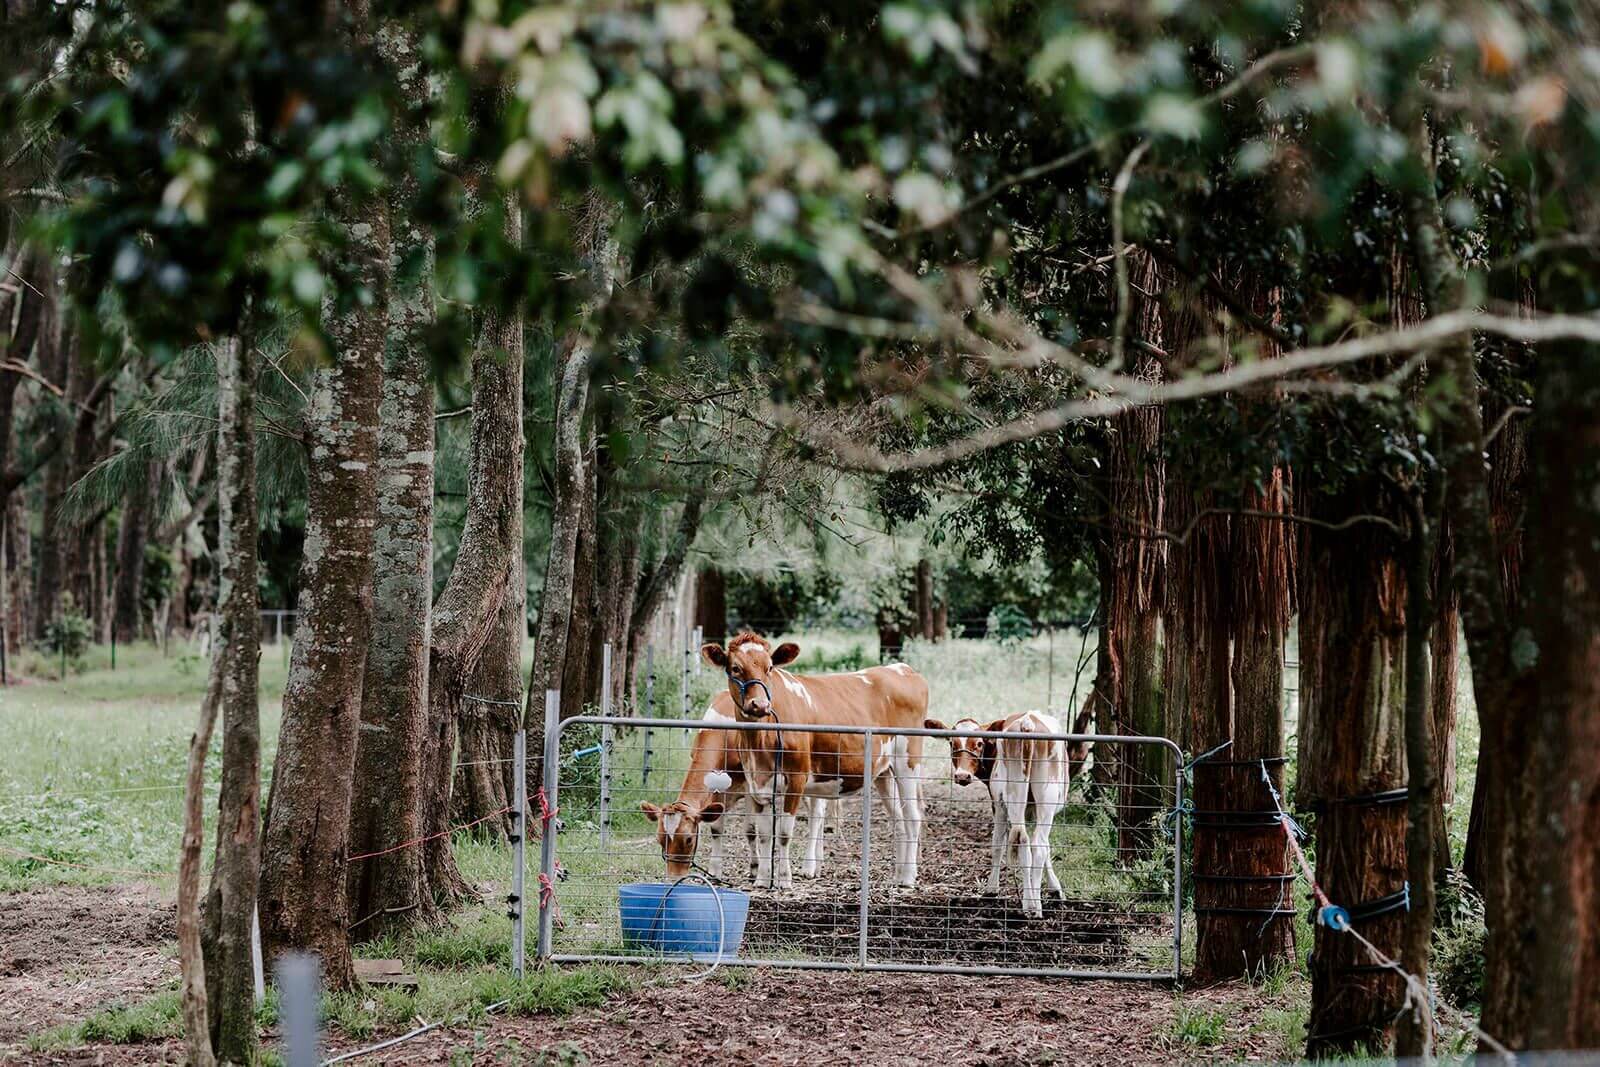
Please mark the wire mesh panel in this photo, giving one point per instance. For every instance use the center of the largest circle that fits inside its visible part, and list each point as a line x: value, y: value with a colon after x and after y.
x: 984, y: 851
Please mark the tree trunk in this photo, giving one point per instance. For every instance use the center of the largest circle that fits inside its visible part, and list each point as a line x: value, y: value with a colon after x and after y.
x: 231, y: 902
x: 57, y: 365
x: 1443, y: 654
x: 388, y: 891
x: 132, y: 535
x: 1137, y: 569
x: 1507, y: 490
x: 1509, y: 985
x: 660, y: 581
x: 925, y: 599
x: 1414, y: 1034
x: 711, y: 604
x: 580, y: 674
x: 1352, y: 752
x: 191, y: 956
x: 1243, y: 879
x: 483, y: 599
x: 1564, y: 728
x: 485, y: 784
x: 307, y: 837
x: 556, y: 599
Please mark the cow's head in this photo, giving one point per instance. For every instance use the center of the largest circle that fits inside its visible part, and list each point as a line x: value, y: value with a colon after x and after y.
x: 678, y: 832
x: 749, y: 661
x: 1078, y: 751
x: 970, y: 757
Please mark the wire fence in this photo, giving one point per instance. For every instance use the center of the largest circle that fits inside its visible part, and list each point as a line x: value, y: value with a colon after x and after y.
x: 938, y: 873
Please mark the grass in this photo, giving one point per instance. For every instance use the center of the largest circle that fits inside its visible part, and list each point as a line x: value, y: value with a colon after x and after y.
x: 1198, y: 1027
x: 152, y: 1019
x: 94, y: 765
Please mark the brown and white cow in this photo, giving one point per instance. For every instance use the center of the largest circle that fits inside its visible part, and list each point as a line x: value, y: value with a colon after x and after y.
x: 821, y: 766
x: 1026, y: 776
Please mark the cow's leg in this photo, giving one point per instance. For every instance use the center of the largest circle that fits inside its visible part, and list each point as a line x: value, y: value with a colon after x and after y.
x: 784, y: 875
x: 715, y: 829
x: 761, y: 818
x: 997, y: 843
x: 816, y: 819
x: 1011, y: 779
x: 750, y: 838
x: 909, y: 792
x: 883, y: 784
x: 1048, y: 800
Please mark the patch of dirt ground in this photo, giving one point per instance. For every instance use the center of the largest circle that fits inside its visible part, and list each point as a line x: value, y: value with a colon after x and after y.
x: 787, y: 1017
x: 69, y: 951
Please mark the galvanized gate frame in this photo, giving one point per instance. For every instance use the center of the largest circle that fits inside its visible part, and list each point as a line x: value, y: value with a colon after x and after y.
x: 555, y: 726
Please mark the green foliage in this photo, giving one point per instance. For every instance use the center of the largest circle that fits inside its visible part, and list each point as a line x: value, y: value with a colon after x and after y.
x: 69, y: 634
x: 1458, y: 943
x: 157, y: 580
x: 1010, y: 624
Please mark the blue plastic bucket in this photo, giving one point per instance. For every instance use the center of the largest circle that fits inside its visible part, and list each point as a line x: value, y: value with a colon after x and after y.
x: 683, y: 919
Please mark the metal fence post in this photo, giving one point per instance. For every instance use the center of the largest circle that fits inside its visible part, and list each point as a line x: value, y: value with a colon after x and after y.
x: 694, y: 643
x: 649, y: 709
x: 1177, y: 869
x: 255, y: 954
x: 519, y: 837
x: 866, y: 846
x: 297, y: 984
x: 605, y: 746
x: 547, y: 833
x: 688, y: 657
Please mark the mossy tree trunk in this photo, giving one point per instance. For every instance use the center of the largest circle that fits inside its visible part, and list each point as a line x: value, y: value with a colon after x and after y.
x: 388, y: 891
x: 231, y: 903
x: 304, y: 865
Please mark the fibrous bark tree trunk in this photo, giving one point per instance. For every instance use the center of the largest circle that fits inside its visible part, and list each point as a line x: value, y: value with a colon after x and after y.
x: 307, y: 837
x: 1238, y: 586
x: 1352, y: 761
x: 388, y: 888
x: 481, y: 604
x: 1133, y: 619
x: 231, y: 902
x: 1561, y: 719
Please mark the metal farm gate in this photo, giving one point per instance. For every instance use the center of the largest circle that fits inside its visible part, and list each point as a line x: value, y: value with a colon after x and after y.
x: 1116, y: 847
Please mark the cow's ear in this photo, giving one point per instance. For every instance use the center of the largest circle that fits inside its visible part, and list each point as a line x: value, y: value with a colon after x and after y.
x: 996, y: 726
x: 650, y: 810
x: 787, y: 652
x: 711, y: 812
x: 933, y: 724
x: 715, y: 654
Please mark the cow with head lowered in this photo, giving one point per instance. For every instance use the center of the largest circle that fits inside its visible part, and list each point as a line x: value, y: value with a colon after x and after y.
x: 781, y: 771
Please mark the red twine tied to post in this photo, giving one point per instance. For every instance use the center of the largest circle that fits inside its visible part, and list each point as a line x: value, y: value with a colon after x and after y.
x: 546, y: 812
x: 547, y: 897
